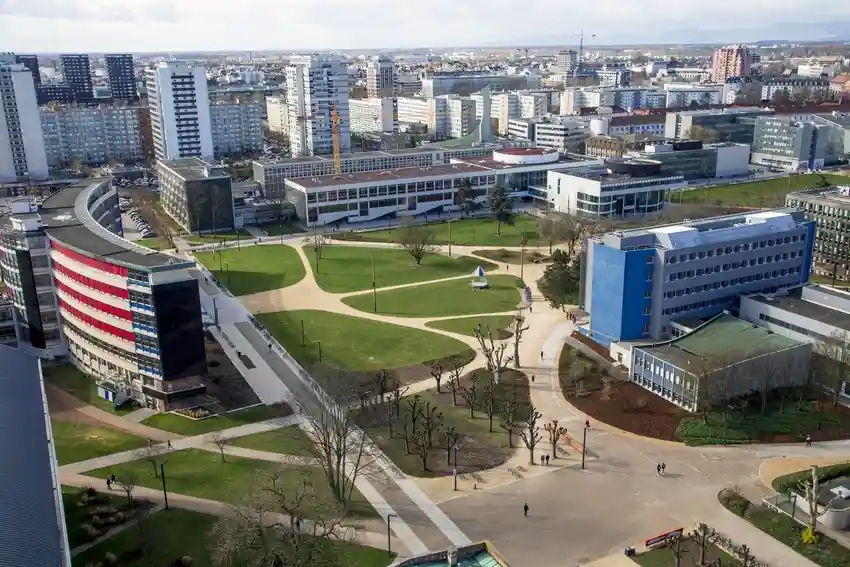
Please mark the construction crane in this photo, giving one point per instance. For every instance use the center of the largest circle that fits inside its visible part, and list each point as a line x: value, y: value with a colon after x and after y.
x: 335, y: 122
x: 580, y: 52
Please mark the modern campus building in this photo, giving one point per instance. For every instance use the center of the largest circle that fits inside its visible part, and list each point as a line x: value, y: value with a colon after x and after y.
x: 196, y: 194
x: 721, y: 360
x: 22, y: 155
x: 615, y: 188
x: 32, y: 517
x: 121, y: 312
x: 121, y: 72
x: 694, y: 160
x: 814, y: 314
x: 272, y: 174
x: 558, y: 133
x: 408, y: 191
x: 829, y: 209
x: 466, y: 84
x: 316, y: 85
x: 731, y: 124
x: 237, y: 128
x: 93, y: 135
x: 380, y: 77
x: 783, y: 143
x: 76, y: 71
x: 180, y: 111
x: 372, y: 114
x: 637, y: 283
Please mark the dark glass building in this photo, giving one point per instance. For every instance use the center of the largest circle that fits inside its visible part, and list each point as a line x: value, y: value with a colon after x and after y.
x: 76, y: 69
x: 122, y: 76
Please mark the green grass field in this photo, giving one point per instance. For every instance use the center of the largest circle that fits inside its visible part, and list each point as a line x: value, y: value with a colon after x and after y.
x: 190, y: 427
x: 78, y: 442
x: 344, y: 269
x: 176, y: 533
x: 287, y: 440
x: 472, y: 232
x: 156, y: 243
x: 768, y: 193
x: 440, y: 299
x: 355, y: 343
x: 253, y: 269
x: 202, y: 474
x: 499, y: 324
x: 67, y: 378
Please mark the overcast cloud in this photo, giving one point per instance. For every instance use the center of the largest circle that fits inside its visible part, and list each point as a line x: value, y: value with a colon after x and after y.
x: 163, y: 25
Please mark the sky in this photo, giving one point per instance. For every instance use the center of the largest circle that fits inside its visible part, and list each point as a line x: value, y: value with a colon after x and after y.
x: 179, y: 25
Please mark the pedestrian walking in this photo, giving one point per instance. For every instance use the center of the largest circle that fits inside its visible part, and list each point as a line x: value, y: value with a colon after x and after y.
x: 542, y: 458
x: 547, y: 459
x: 541, y: 355
x: 808, y: 440
x: 150, y: 442
x: 270, y: 347
x: 532, y: 377
x: 587, y: 423
x: 525, y: 509
x: 108, y: 484
x: 658, y: 469
x: 169, y: 443
x: 530, y: 308
x: 112, y: 478
x: 663, y: 468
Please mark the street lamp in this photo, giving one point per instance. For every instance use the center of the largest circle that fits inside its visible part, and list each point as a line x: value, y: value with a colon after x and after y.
x: 162, y: 475
x: 454, y: 470
x: 319, y: 345
x: 584, y: 445
x: 389, y: 540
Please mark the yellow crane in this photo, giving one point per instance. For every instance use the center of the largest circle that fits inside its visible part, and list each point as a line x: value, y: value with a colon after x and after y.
x: 335, y: 121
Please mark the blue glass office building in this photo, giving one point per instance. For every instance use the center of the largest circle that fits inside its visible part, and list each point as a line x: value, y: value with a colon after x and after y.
x: 637, y: 283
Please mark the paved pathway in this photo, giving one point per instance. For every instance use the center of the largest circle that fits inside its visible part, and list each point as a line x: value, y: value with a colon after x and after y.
x: 113, y: 532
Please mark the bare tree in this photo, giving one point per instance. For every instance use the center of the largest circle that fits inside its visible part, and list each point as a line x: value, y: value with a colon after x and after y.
x: 196, y: 207
x: 277, y: 525
x: 493, y: 353
x: 436, y: 369
x: 531, y: 434
x: 127, y: 482
x: 398, y: 394
x: 339, y: 447
x: 381, y: 379
x: 518, y: 331
x: 221, y: 210
x: 418, y: 240
x: 412, y: 412
x: 470, y: 395
x: 450, y: 438
x: 221, y: 442
x: 555, y: 431
x: 489, y: 394
x: 154, y: 454
x: 419, y: 446
x: 509, y: 421
x: 811, y: 492
x: 317, y: 241
x: 836, y: 367
x: 455, y: 372
x: 432, y: 420
x: 767, y: 377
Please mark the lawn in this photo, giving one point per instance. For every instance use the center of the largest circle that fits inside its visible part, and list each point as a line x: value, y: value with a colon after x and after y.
x: 156, y: 243
x: 253, y: 269
x: 355, y: 343
x: 181, y: 425
x: 479, y: 448
x: 776, y: 425
x: 221, y: 236
x: 827, y: 553
x: 783, y: 484
x: 767, y: 193
x: 181, y: 532
x: 455, y: 297
x: 201, y: 474
x: 78, y: 442
x: 287, y: 440
x: 469, y: 232
x: 503, y: 256
x: 499, y: 324
x: 276, y: 229
x: 67, y: 378
x: 80, y: 507
x: 349, y: 268
x: 666, y: 556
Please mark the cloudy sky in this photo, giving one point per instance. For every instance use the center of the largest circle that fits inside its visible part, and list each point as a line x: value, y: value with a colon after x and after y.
x: 163, y: 25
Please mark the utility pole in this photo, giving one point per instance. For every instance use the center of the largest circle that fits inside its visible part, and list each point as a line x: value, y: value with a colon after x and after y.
x: 374, y: 288
x: 583, y: 446
x: 450, y: 234
x: 389, y: 539
x: 164, y: 490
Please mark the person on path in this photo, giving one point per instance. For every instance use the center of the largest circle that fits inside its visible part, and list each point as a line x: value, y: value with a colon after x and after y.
x: 112, y: 478
x: 541, y: 355
x: 658, y: 469
x: 587, y: 423
x: 150, y: 442
x: 663, y: 468
x: 525, y: 509
x: 808, y: 440
x: 108, y: 484
x: 542, y: 459
x: 169, y: 443
x: 547, y: 459
x: 530, y: 308
x: 532, y: 377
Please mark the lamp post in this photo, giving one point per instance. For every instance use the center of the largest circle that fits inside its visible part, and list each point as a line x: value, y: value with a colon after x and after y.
x: 584, y: 445
x: 319, y: 345
x: 164, y: 489
x: 389, y: 539
x: 454, y: 470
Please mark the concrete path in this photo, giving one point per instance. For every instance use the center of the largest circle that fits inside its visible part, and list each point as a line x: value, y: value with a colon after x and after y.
x: 114, y: 531
x: 140, y: 415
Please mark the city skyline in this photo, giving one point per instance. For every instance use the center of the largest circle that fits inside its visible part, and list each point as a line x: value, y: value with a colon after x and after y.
x: 157, y: 25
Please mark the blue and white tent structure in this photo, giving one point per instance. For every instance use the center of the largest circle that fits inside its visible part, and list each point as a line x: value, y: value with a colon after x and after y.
x: 478, y: 273
x: 481, y: 282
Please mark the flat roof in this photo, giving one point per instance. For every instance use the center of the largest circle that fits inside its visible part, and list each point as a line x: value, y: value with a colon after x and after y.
x: 795, y: 305
x: 195, y: 169
x: 61, y: 221
x: 30, y: 526
x: 389, y: 175
x: 723, y: 341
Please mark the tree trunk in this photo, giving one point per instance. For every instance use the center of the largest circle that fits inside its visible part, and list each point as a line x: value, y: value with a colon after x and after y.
x: 510, y: 439
x: 438, y: 385
x: 498, y: 227
x: 490, y: 417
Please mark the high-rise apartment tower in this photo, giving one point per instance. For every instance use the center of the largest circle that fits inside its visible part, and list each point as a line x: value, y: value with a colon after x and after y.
x: 730, y: 61
x: 22, y: 154
x: 76, y: 69
x: 122, y: 76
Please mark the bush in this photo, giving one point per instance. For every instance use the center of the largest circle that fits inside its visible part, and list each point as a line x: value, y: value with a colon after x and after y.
x: 110, y: 558
x: 89, y: 531
x: 186, y: 560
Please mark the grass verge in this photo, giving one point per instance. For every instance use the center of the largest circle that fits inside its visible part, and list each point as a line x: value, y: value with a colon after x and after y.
x: 181, y: 425
x: 253, y: 269
x: 79, y: 442
x: 498, y: 324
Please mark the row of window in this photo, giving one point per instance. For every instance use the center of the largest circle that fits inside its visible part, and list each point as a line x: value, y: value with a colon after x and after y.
x: 795, y: 328
x: 116, y: 312
x: 91, y: 283
x: 673, y: 259
x: 734, y: 266
x: 132, y: 357
x: 90, y: 262
x: 96, y: 323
